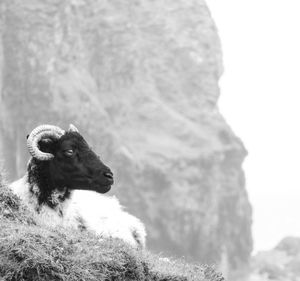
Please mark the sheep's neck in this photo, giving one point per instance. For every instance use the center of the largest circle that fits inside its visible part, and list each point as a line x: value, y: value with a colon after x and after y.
x: 42, y: 185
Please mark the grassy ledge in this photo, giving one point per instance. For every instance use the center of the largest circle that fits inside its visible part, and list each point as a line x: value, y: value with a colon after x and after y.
x: 30, y: 251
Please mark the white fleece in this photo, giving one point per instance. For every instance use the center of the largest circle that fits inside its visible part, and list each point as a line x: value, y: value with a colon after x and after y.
x: 89, y: 210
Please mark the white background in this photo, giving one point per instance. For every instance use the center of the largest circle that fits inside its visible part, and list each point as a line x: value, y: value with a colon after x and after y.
x: 260, y: 98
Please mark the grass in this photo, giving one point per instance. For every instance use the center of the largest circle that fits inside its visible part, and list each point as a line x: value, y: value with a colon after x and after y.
x: 30, y: 251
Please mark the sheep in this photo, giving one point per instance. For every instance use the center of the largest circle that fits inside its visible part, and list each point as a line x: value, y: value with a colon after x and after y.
x: 65, y: 184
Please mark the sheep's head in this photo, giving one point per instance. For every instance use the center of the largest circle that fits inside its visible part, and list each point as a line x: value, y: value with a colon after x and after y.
x: 68, y: 160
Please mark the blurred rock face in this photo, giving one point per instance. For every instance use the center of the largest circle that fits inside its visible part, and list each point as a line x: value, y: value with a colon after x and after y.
x: 140, y: 79
x: 278, y: 264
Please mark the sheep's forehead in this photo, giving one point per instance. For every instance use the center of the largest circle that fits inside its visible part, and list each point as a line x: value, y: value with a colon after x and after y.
x: 71, y: 140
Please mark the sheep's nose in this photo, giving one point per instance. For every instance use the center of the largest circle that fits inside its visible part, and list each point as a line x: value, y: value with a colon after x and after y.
x: 109, y: 176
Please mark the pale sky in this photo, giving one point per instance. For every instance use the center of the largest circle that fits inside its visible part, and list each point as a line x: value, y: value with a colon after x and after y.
x: 260, y: 98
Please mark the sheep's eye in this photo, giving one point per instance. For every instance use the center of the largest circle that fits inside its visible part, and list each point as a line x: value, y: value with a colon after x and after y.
x: 69, y: 152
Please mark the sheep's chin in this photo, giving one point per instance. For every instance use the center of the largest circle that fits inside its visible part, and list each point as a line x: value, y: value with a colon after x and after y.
x: 103, y: 189
x: 98, y: 188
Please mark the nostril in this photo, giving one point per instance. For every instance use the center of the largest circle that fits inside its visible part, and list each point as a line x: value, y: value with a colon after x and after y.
x: 109, y: 175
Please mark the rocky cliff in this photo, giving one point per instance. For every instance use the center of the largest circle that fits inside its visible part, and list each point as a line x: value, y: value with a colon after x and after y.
x: 279, y: 264
x: 140, y: 80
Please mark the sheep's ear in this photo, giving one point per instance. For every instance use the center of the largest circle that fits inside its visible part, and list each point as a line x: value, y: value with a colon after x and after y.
x: 73, y: 129
x: 27, y: 137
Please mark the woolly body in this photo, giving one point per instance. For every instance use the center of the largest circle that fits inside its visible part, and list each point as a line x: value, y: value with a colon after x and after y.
x: 86, y: 210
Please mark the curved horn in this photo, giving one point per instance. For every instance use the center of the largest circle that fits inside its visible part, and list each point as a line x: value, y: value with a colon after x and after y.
x: 73, y: 129
x: 43, y: 131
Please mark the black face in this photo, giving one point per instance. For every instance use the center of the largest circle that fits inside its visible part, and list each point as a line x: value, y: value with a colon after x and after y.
x: 75, y: 165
